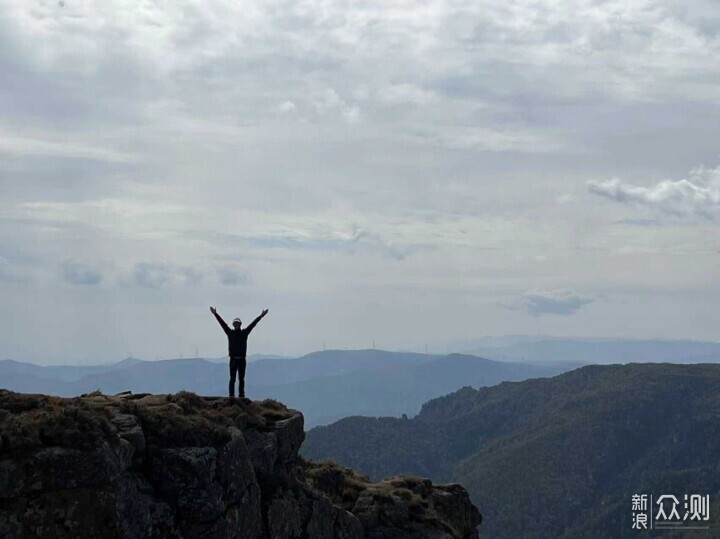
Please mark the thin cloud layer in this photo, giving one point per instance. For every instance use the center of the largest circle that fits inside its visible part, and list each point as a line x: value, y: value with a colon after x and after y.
x: 554, y: 302
x: 354, y: 165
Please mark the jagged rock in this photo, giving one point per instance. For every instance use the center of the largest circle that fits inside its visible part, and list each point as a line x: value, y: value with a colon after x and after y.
x: 414, y: 508
x: 399, y: 507
x: 262, y: 447
x: 129, y: 429
x: 290, y: 434
x: 138, y: 513
x: 157, y: 466
x: 328, y: 520
x: 185, y: 478
x: 60, y: 468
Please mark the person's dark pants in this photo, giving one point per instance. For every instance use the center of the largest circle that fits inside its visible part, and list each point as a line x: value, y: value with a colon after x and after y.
x: 237, y: 367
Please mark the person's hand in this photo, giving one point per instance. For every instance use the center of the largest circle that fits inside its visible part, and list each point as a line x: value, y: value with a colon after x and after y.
x: 213, y: 310
x: 265, y: 311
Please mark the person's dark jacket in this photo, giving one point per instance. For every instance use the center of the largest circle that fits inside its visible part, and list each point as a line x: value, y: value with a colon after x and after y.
x: 237, y: 339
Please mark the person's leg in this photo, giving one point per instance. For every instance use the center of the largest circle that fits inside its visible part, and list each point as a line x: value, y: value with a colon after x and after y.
x: 233, y: 372
x: 242, y: 366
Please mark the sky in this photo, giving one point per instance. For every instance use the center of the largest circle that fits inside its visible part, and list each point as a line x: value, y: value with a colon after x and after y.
x: 397, y: 172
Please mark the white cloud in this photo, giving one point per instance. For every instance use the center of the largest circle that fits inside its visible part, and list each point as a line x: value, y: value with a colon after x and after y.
x: 693, y: 197
x: 330, y: 102
x: 286, y: 108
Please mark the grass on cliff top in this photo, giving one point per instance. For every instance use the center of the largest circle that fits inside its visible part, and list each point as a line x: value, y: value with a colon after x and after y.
x: 184, y: 419
x: 344, y: 486
x: 28, y: 421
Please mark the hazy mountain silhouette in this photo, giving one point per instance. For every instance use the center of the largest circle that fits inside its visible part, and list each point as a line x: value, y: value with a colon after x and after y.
x: 553, y: 457
x: 332, y: 363
x: 400, y: 388
x: 61, y: 372
x: 601, y: 351
x: 325, y: 385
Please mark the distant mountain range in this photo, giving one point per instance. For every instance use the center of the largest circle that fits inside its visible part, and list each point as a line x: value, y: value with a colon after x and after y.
x: 554, y: 457
x: 528, y: 348
x: 326, y: 385
x: 390, y: 383
x: 332, y: 384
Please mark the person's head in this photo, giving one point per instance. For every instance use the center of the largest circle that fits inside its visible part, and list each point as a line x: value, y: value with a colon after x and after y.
x: 237, y: 323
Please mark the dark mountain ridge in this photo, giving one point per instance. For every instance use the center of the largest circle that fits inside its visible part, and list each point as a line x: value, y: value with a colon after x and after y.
x: 553, y: 456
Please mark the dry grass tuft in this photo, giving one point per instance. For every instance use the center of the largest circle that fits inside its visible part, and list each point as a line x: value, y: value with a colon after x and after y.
x: 28, y: 421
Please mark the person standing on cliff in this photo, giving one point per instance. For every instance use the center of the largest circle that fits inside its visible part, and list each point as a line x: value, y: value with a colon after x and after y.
x: 237, y: 349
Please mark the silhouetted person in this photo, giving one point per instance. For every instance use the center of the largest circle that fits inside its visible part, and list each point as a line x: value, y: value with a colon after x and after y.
x: 237, y: 349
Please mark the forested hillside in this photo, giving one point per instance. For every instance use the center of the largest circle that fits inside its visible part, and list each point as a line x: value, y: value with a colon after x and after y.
x: 548, y: 457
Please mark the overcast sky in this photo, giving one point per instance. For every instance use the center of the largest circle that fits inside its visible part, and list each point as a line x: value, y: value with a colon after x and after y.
x: 403, y: 172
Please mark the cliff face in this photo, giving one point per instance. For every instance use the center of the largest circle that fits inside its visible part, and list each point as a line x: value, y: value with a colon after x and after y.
x: 180, y: 465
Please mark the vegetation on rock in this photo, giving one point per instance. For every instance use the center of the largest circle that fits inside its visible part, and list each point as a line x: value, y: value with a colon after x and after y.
x: 554, y: 456
x: 137, y: 466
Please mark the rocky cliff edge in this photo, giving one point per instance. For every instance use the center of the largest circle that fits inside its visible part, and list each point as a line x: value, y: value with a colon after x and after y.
x: 156, y: 466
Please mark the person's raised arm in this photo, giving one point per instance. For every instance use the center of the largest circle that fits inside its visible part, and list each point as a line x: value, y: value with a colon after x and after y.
x: 254, y: 322
x: 222, y: 323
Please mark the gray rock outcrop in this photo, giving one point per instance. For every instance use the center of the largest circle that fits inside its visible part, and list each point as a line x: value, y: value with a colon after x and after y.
x: 156, y: 466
